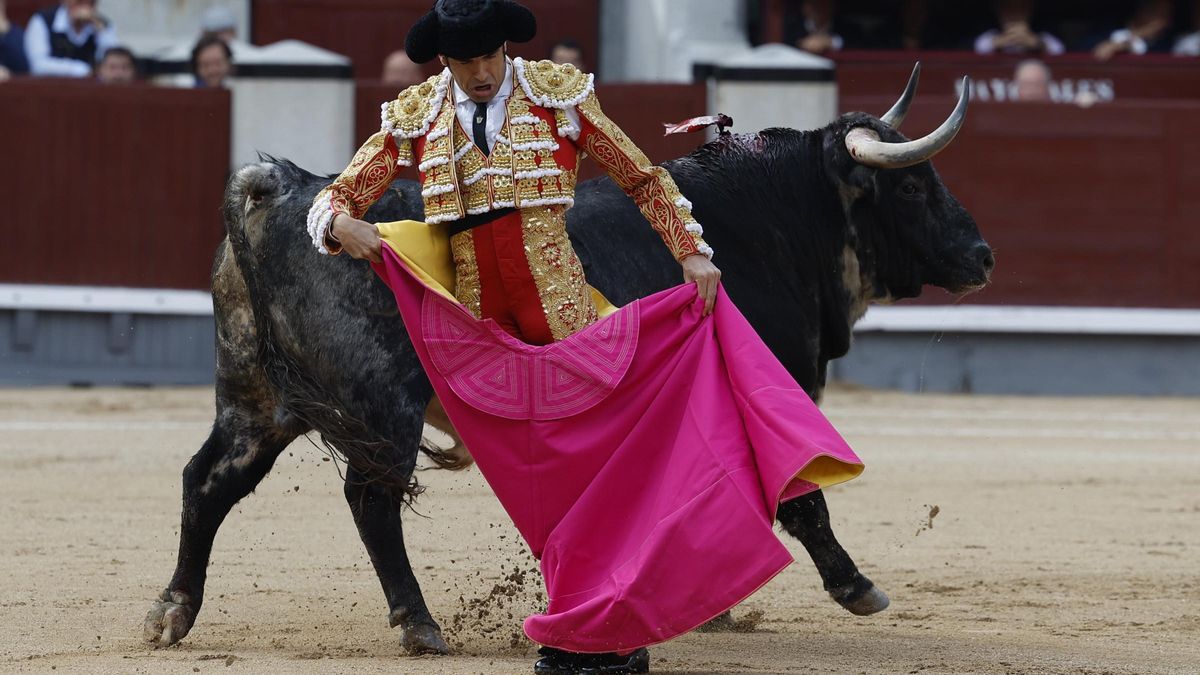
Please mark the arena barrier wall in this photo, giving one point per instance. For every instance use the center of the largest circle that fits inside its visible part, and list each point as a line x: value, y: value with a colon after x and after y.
x: 1125, y: 78
x: 106, y: 188
x: 1085, y: 208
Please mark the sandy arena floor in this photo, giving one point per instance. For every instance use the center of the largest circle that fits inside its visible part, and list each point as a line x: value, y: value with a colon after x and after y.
x: 1066, y: 540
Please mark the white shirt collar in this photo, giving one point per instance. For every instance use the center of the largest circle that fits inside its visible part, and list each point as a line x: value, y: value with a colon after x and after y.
x: 506, y: 88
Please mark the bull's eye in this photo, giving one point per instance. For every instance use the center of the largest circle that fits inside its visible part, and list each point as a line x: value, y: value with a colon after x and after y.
x: 909, y: 190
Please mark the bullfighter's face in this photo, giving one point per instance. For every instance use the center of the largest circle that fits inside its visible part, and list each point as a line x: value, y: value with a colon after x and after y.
x: 481, y: 76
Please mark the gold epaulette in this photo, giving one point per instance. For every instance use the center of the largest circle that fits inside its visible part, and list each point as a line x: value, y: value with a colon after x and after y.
x: 551, y: 85
x: 415, y: 109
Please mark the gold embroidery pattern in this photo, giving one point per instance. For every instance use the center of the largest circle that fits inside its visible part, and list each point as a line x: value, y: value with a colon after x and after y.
x: 369, y: 175
x: 553, y: 85
x: 650, y: 186
x: 443, y: 200
x: 410, y: 114
x: 466, y: 272
x: 557, y: 272
x: 448, y: 197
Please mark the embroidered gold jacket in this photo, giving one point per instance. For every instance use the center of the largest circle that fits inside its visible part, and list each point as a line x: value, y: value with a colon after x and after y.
x: 534, y: 162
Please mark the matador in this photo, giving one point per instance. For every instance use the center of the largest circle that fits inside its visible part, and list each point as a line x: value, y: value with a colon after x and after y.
x: 497, y: 143
x: 643, y: 529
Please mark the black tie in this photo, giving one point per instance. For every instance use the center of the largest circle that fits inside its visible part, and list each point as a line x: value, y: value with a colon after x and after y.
x: 480, y: 127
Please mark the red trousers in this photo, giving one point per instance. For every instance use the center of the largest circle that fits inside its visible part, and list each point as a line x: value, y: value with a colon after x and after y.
x: 508, y: 293
x: 520, y: 271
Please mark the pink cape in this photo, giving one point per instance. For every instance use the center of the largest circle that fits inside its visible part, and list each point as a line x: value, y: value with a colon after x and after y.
x: 642, y: 459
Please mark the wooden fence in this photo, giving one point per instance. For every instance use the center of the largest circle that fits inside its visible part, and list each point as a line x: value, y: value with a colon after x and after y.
x: 111, y: 185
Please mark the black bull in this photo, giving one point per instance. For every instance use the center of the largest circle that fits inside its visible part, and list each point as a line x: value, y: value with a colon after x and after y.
x: 805, y: 236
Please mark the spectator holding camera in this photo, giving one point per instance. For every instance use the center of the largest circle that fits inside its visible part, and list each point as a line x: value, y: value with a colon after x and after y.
x: 1144, y: 32
x: 64, y: 40
x: 1015, y: 34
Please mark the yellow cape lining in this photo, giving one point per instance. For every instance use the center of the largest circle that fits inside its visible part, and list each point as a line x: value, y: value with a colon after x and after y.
x: 425, y: 250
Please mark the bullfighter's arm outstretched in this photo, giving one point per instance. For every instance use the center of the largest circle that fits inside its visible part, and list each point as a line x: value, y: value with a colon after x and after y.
x: 376, y: 164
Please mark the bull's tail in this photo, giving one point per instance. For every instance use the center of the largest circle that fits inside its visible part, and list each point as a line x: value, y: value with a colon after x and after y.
x: 247, y: 188
x: 343, y: 435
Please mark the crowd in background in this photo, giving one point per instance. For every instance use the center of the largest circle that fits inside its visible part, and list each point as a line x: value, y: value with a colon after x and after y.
x: 71, y: 38
x: 1023, y: 27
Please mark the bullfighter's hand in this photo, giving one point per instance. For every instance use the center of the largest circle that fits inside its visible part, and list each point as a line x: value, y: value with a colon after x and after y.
x: 699, y: 268
x: 358, y: 238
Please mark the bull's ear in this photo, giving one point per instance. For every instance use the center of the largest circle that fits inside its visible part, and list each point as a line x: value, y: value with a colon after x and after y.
x: 840, y: 164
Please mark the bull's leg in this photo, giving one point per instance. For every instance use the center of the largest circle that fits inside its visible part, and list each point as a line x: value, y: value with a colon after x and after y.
x: 230, y: 464
x: 377, y: 516
x: 376, y: 507
x: 807, y: 519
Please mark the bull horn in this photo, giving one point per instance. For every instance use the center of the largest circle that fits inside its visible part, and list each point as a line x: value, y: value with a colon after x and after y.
x: 895, y: 117
x: 866, y: 148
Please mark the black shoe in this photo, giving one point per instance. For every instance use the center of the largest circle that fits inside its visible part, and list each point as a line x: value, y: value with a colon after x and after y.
x: 553, y: 662
x: 558, y: 662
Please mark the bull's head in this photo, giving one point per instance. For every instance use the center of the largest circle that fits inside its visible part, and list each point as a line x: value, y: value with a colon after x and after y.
x: 905, y: 227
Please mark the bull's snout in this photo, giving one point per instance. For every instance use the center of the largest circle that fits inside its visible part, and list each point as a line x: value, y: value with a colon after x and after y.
x: 982, y: 259
x: 970, y: 270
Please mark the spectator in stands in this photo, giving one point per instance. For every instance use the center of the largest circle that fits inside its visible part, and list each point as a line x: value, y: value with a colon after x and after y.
x: 64, y: 40
x: 12, y: 48
x: 1015, y: 34
x: 567, y: 50
x: 1032, y: 81
x: 220, y: 23
x: 212, y: 62
x: 400, y: 71
x: 1189, y: 44
x: 1145, y: 32
x: 822, y: 26
x: 817, y: 35
x: 117, y: 66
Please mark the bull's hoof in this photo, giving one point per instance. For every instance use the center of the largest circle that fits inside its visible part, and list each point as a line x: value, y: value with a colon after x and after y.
x: 169, y: 620
x: 721, y: 623
x: 424, y: 639
x: 861, y: 599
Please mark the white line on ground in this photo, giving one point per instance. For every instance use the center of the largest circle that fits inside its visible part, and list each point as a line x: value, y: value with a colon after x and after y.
x: 1017, y: 432
x: 107, y: 425
x: 974, y: 414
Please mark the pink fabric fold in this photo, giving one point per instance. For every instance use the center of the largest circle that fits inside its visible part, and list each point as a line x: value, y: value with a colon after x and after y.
x: 642, y: 459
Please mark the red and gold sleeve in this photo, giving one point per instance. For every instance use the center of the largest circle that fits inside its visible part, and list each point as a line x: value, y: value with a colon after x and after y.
x: 374, y: 167
x: 650, y: 186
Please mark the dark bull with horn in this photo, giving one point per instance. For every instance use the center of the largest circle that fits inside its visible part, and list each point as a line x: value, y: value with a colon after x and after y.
x: 809, y: 226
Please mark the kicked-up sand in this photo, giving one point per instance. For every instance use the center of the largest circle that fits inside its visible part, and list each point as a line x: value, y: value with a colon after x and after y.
x: 1014, y: 535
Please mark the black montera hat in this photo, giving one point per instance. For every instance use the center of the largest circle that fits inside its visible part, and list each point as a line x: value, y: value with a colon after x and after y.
x: 465, y: 29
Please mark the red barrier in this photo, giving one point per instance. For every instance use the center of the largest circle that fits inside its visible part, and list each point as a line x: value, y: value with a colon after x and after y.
x: 1155, y: 76
x: 111, y: 185
x: 122, y: 185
